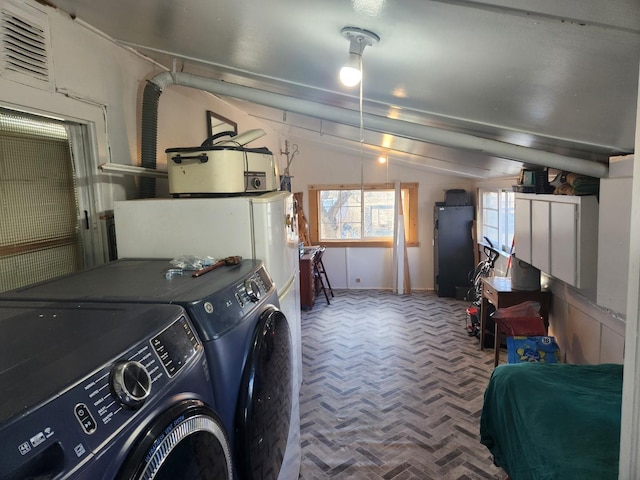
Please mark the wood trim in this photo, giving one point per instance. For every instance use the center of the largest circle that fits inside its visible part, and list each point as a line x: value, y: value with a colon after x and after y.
x: 411, y: 220
x: 21, y: 248
x: 314, y: 228
x: 367, y: 186
x: 412, y: 217
x: 356, y: 243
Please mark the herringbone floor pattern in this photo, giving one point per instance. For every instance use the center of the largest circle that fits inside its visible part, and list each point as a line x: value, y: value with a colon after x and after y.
x: 393, y: 389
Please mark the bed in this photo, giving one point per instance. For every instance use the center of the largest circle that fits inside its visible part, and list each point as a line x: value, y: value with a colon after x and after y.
x: 554, y: 421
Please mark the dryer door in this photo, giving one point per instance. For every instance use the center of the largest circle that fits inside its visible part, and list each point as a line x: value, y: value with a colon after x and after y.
x: 186, y: 441
x: 264, y: 404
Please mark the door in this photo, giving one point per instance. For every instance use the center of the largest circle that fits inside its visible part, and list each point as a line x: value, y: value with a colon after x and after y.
x: 186, y: 441
x: 540, y: 238
x: 564, y: 236
x: 264, y: 404
x: 523, y: 229
x: 276, y: 237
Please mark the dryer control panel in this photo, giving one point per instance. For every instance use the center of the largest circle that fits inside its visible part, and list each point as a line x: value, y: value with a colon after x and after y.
x: 221, y: 311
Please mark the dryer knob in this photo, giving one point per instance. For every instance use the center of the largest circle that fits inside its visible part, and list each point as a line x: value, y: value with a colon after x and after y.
x: 252, y: 290
x: 130, y: 383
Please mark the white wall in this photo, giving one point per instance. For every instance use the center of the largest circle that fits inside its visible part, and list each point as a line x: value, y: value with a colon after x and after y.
x: 99, y: 84
x: 317, y: 165
x: 586, y: 332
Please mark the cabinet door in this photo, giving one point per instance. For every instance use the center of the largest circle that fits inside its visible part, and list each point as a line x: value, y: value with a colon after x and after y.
x: 613, y: 242
x: 540, y: 238
x: 564, y: 251
x: 522, y: 232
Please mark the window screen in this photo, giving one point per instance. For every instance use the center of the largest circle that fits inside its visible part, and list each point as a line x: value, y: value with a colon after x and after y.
x: 39, y: 236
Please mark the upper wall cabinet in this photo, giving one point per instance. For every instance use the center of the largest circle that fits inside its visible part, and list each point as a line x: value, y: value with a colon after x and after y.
x: 559, y: 235
x: 613, y: 235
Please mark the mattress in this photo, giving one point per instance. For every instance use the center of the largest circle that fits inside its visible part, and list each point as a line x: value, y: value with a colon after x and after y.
x: 554, y: 421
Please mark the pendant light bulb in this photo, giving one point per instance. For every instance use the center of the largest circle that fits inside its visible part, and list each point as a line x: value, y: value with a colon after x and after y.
x: 350, y: 74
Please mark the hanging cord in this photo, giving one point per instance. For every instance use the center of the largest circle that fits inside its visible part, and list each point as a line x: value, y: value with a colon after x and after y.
x: 387, y: 168
x: 361, y: 152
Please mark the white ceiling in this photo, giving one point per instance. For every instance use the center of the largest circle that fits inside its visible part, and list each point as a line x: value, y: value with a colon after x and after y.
x: 556, y: 76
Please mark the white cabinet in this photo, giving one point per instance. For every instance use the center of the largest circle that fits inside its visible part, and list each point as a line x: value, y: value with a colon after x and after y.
x: 565, y: 246
x: 560, y: 235
x: 613, y: 243
x: 522, y: 233
x: 540, y: 238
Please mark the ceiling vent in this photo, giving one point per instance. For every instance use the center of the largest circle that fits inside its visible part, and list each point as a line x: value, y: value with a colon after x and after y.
x: 25, y: 44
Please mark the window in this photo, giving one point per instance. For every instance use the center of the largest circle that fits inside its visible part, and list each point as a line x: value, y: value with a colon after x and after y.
x: 497, y: 210
x: 348, y: 215
x: 42, y: 229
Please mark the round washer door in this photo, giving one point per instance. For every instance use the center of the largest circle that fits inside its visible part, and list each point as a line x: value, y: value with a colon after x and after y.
x: 186, y: 441
x: 264, y: 403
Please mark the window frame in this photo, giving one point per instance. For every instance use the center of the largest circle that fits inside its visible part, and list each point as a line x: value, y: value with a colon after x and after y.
x: 504, y: 219
x: 411, y: 219
x: 81, y: 192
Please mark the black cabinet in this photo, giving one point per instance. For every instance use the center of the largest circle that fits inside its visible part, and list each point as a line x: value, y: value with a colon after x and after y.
x: 453, y: 247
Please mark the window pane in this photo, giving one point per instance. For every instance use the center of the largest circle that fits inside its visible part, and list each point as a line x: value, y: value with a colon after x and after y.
x: 340, y: 216
x: 490, y: 218
x: 507, y: 204
x: 491, y: 233
x: 378, y: 214
x: 490, y: 200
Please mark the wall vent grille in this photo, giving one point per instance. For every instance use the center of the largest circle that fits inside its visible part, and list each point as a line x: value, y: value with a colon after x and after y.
x: 24, y: 48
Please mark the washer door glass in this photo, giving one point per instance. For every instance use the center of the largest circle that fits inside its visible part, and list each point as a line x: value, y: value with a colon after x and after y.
x: 264, y: 404
x: 186, y: 441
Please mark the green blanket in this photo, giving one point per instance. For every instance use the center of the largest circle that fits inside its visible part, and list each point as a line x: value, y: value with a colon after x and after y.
x: 554, y: 421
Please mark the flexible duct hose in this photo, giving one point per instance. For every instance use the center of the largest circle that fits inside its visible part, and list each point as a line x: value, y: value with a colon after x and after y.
x: 149, y: 141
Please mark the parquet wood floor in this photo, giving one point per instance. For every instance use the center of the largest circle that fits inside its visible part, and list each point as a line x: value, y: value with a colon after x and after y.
x: 392, y: 389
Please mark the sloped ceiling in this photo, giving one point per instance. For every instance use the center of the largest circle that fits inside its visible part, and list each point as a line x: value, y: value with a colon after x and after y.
x: 558, y: 77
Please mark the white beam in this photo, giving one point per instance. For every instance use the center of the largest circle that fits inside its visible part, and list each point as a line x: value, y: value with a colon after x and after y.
x: 630, y: 427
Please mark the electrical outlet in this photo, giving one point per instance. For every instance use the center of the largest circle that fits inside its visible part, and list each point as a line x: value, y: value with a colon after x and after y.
x: 357, y: 280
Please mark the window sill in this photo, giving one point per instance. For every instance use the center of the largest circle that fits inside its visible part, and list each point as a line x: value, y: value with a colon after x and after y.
x: 362, y: 244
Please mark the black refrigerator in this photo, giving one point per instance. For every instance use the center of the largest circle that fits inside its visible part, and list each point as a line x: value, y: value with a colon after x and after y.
x: 453, y: 248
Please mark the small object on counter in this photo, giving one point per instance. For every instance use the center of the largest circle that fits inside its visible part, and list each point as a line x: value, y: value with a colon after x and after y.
x: 172, y: 272
x: 235, y: 260
x: 192, y: 262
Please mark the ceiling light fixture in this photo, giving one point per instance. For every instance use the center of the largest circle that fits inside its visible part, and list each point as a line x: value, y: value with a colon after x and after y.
x: 359, y: 38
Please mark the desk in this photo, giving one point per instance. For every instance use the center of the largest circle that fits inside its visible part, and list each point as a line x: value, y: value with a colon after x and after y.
x: 307, y: 284
x: 498, y: 292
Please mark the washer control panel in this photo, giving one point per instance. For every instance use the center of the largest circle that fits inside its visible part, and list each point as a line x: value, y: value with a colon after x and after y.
x: 83, y: 418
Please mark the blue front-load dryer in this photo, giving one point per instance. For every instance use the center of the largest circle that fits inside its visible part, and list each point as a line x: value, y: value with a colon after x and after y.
x: 246, y: 339
x: 104, y: 392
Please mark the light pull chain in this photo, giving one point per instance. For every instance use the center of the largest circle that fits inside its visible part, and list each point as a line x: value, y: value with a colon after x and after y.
x: 361, y: 152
